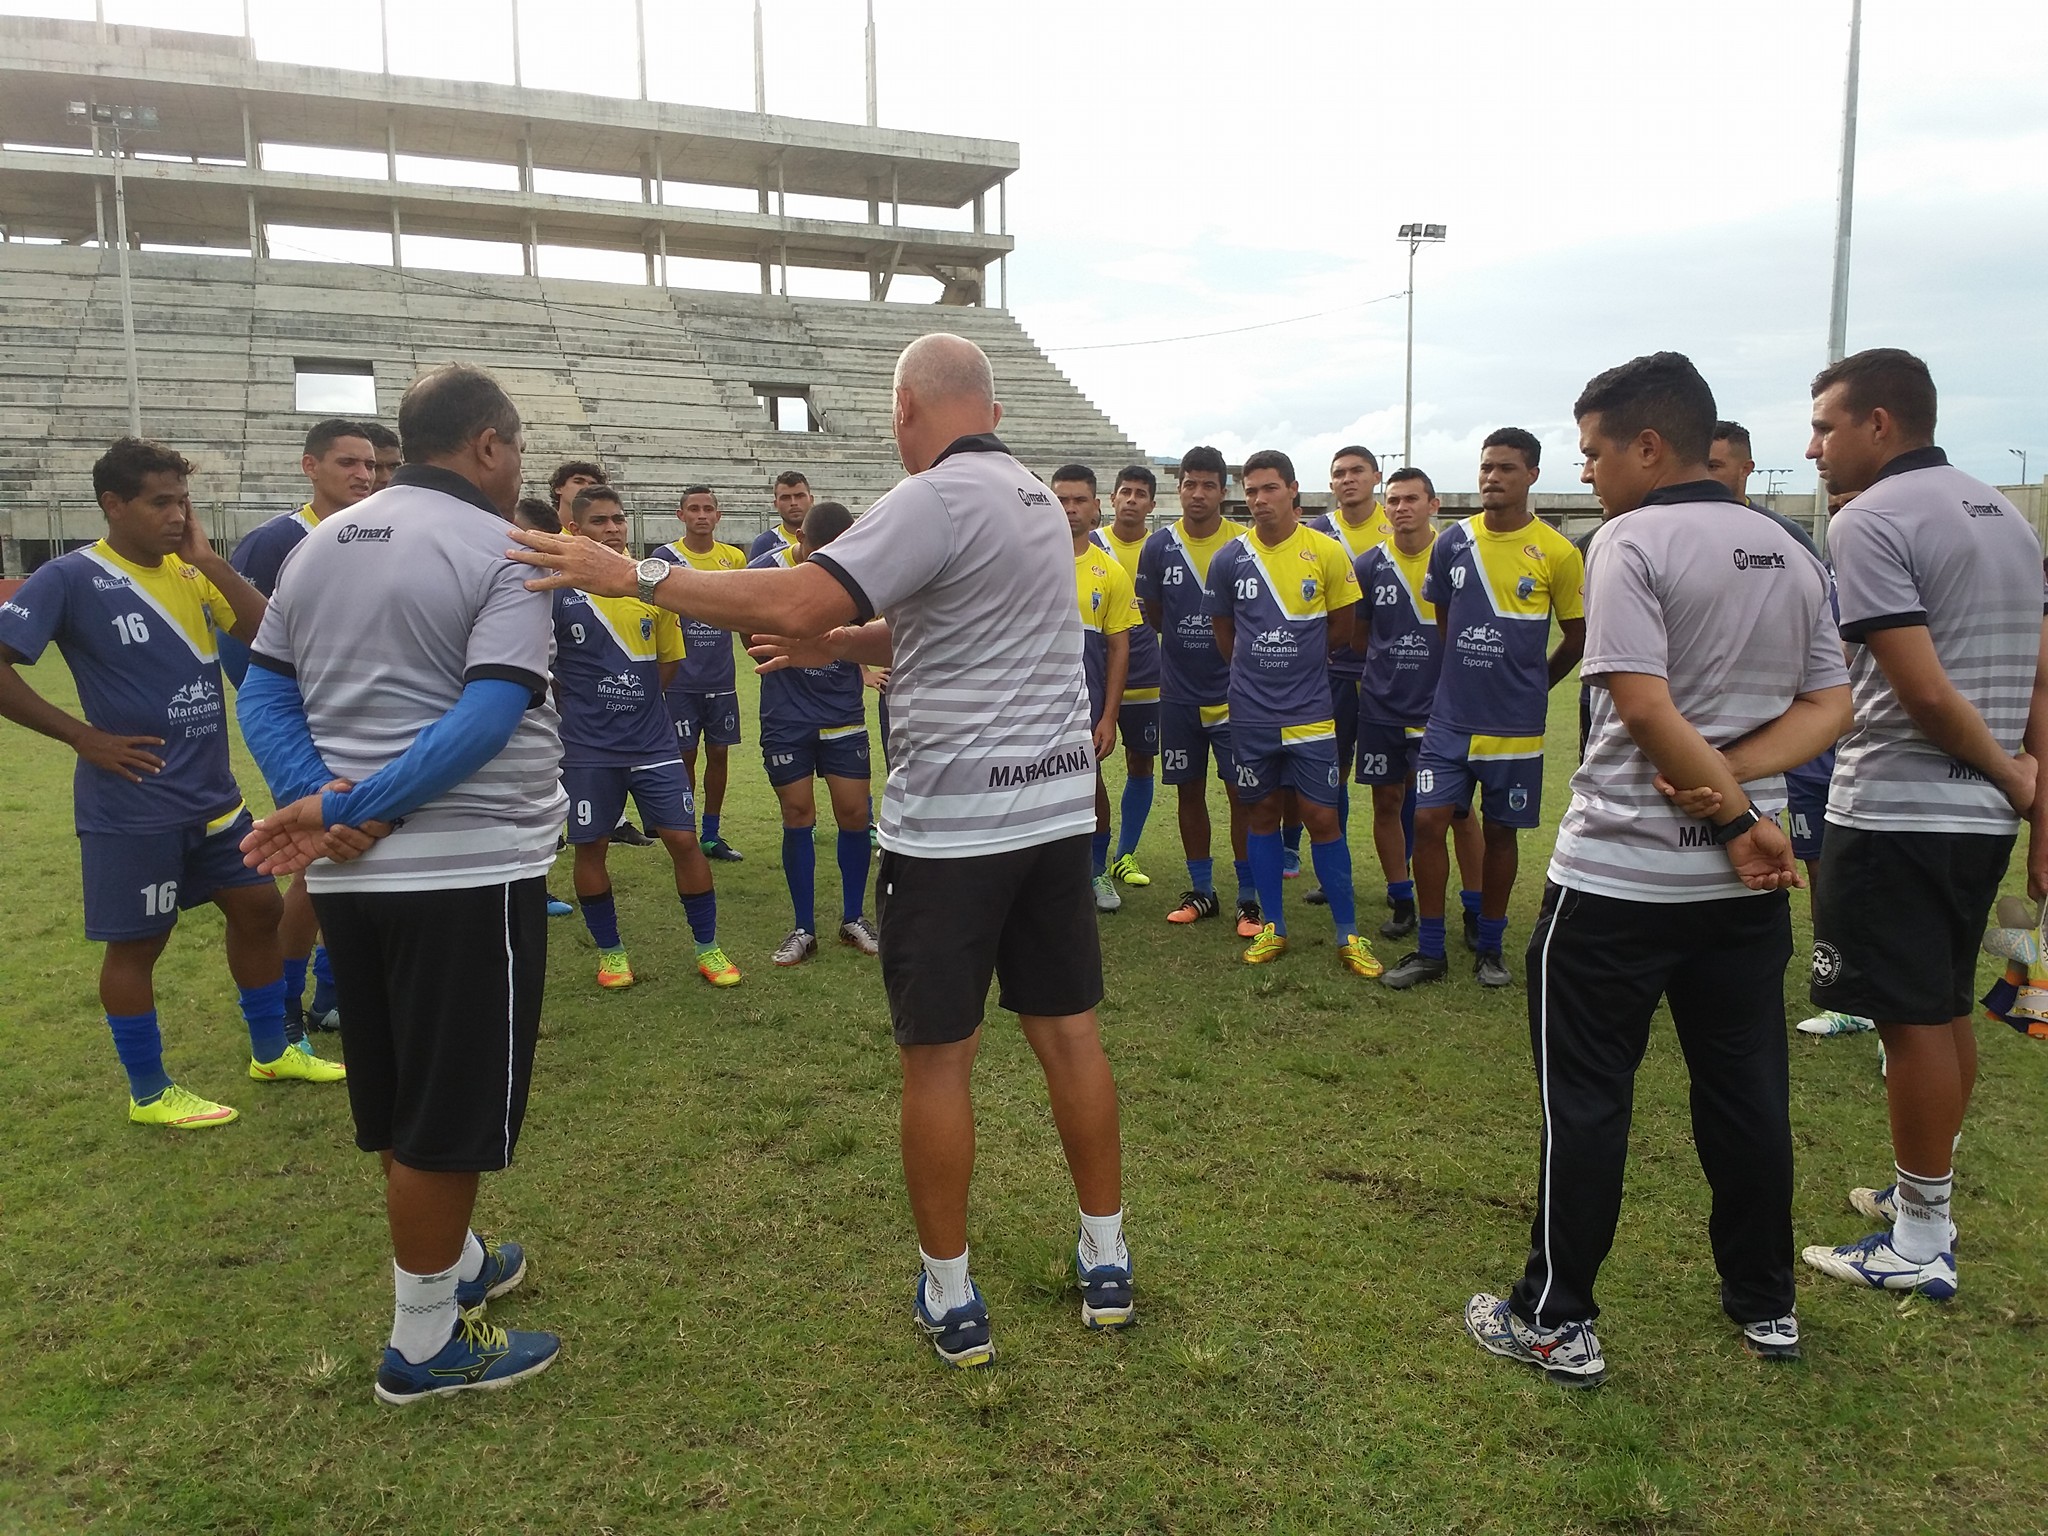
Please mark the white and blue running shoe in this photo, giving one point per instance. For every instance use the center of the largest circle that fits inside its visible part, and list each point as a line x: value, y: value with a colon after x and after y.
x: 961, y: 1337
x: 1874, y: 1262
x: 1568, y: 1354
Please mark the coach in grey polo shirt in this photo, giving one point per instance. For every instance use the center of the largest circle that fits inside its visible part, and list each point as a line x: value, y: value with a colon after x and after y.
x: 962, y: 580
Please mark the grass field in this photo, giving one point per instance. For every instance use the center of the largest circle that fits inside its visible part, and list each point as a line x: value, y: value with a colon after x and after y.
x: 1318, y: 1173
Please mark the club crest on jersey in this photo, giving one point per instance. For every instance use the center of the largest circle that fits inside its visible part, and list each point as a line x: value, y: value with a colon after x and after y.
x: 1827, y: 964
x: 1518, y: 799
x: 647, y: 629
x: 1526, y: 588
x: 1094, y: 602
x: 1308, y: 589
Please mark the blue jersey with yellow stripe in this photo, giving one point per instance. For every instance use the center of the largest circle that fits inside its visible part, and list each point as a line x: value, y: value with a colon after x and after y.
x: 1278, y: 598
x: 1348, y: 661
x: 142, y: 644
x: 1108, y: 607
x: 805, y: 699
x: 1496, y: 593
x: 1142, y: 685
x: 1402, y: 656
x: 1173, y: 575
x: 608, y: 657
x: 708, y: 667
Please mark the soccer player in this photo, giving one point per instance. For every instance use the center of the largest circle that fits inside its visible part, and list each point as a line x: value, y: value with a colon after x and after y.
x: 403, y: 649
x: 159, y: 819
x: 340, y: 466
x: 614, y: 659
x: 814, y: 724
x: 1713, y: 654
x: 1939, y: 581
x: 1109, y: 614
x: 1281, y: 599
x: 1497, y: 580
x: 1194, y: 682
x: 793, y: 502
x: 988, y: 808
x: 569, y: 478
x: 704, y: 698
x: 385, y: 442
x: 1403, y: 656
x: 1137, y: 488
x: 532, y: 512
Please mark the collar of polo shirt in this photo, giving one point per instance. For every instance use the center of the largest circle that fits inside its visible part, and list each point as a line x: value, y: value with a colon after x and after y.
x: 1929, y: 457
x: 1688, y: 490
x: 431, y: 477
x: 974, y: 442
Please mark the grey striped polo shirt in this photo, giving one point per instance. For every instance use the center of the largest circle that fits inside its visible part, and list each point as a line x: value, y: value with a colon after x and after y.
x: 1929, y: 545
x: 972, y: 565
x: 384, y: 614
x: 1732, y: 612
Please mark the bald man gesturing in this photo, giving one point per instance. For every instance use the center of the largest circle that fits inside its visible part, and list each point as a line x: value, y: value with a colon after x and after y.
x: 961, y: 579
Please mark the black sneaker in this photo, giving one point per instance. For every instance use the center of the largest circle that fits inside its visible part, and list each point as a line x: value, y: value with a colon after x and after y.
x: 1317, y: 898
x: 631, y: 836
x: 1249, y: 920
x: 1472, y: 932
x: 1402, y: 924
x: 717, y: 848
x: 1415, y: 969
x: 1489, y: 971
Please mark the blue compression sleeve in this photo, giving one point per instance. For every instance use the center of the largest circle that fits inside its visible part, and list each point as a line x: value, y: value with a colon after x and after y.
x: 273, y: 719
x: 234, y: 659
x: 440, y: 757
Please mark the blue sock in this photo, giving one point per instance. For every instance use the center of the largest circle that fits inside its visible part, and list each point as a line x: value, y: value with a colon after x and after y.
x: 1429, y: 937
x: 853, y: 873
x: 263, y: 1012
x: 323, y: 980
x: 294, y: 983
x: 1202, y: 876
x: 1493, y: 932
x: 1399, y: 891
x: 1333, y: 873
x: 601, y: 917
x: 1469, y: 900
x: 140, y: 1045
x: 800, y: 869
x: 1137, y: 805
x: 1246, y: 886
x: 1408, y: 823
x: 1098, y: 853
x: 701, y: 908
x: 710, y: 834
x: 1344, y: 808
x: 1265, y: 866
x: 1291, y: 834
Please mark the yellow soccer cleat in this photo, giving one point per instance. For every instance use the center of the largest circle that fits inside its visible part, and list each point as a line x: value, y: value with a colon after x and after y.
x: 1270, y: 945
x: 299, y: 1066
x: 717, y: 968
x: 1125, y: 868
x: 181, y: 1110
x: 1358, y: 957
x: 614, y: 973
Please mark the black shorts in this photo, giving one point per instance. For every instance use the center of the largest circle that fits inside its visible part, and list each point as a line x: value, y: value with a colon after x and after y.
x: 1026, y: 917
x: 1898, y: 921
x: 444, y: 992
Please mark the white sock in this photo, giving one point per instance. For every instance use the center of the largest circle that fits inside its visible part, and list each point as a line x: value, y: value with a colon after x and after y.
x: 1102, y: 1240
x: 1922, y: 1230
x: 424, y: 1319
x: 945, y: 1283
x: 471, y: 1264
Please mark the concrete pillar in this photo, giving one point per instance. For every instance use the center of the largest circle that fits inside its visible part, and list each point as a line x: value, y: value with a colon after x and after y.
x: 980, y: 213
x: 397, y: 236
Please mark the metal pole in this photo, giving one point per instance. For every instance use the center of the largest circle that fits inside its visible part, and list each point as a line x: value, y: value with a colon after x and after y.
x: 516, y: 80
x: 640, y: 42
x: 1838, y: 307
x: 384, y: 32
x: 127, y: 298
x: 760, y: 63
x: 874, y: 118
x: 1408, y: 386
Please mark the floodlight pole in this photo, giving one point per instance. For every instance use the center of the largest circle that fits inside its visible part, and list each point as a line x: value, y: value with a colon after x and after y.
x: 2022, y: 454
x: 1416, y: 235
x: 1838, y: 306
x: 874, y: 117
x: 97, y: 116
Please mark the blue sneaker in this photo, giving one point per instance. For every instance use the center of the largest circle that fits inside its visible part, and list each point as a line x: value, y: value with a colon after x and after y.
x: 504, y: 1267
x: 1568, y: 1354
x: 961, y: 1337
x: 558, y: 907
x: 1105, y: 1293
x: 1874, y: 1262
x: 1290, y: 863
x: 478, y: 1356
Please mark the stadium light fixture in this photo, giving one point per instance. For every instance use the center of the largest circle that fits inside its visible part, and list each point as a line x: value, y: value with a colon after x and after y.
x: 2021, y: 454
x: 116, y: 120
x: 1416, y: 235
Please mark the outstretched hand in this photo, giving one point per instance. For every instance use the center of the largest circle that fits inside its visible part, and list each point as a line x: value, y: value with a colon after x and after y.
x: 776, y: 653
x: 569, y: 560
x: 296, y: 835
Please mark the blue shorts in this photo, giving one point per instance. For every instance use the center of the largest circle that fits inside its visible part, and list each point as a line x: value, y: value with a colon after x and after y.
x: 715, y: 717
x: 597, y: 798
x: 1138, y: 725
x: 836, y: 752
x: 1806, y: 798
x: 1507, y: 769
x: 1266, y: 761
x: 1188, y: 733
x: 136, y: 883
x: 1387, y: 753
x: 1344, y: 711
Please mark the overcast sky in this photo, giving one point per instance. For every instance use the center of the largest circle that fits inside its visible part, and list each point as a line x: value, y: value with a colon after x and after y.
x: 1615, y: 178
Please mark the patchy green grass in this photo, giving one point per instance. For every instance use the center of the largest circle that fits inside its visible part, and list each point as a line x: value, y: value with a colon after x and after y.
x: 1319, y: 1172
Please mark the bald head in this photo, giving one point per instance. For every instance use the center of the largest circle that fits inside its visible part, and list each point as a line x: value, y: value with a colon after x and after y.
x: 945, y: 390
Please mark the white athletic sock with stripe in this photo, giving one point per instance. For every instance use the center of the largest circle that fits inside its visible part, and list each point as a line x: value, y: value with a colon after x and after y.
x: 945, y: 1283
x: 1102, y: 1241
x: 1922, y: 1230
x: 471, y: 1264
x: 424, y: 1319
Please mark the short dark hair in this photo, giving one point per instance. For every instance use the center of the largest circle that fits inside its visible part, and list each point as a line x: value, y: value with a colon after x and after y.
x: 1075, y: 472
x: 1887, y: 377
x: 1521, y: 440
x: 793, y: 477
x: 1732, y: 432
x: 443, y: 412
x: 1269, y: 458
x: 696, y: 490
x: 1410, y: 472
x: 1138, y: 474
x: 825, y: 522
x: 532, y: 512
x: 380, y: 436
x: 1356, y: 452
x: 121, y: 468
x: 564, y: 473
x: 325, y: 434
x: 591, y: 494
x: 1204, y: 461
x: 1659, y: 392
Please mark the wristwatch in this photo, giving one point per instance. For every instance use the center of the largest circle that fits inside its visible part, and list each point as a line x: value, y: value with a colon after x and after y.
x: 652, y: 573
x: 1728, y: 831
